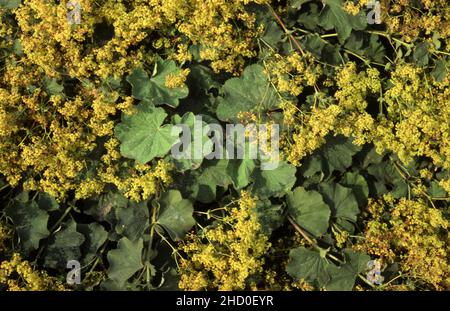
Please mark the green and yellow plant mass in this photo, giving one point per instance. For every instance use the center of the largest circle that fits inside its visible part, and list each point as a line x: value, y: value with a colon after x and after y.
x: 92, y: 94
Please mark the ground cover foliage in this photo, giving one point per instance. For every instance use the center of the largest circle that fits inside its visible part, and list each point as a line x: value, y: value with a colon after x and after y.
x: 359, y: 200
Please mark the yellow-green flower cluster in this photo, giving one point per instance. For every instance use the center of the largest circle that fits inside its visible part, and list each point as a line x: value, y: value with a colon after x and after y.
x: 213, y: 26
x: 417, y: 117
x: 18, y: 275
x: 412, y: 120
x: 5, y: 236
x: 347, y: 116
x: 353, y: 7
x: 292, y: 73
x: 227, y: 254
x: 46, y: 136
x: 412, y: 233
x: 403, y: 17
x: 310, y: 134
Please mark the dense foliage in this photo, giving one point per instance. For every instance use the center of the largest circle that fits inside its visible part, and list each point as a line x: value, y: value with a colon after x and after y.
x: 359, y: 201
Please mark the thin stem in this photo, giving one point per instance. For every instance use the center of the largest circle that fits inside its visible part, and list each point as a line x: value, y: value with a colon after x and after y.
x: 383, y: 34
x: 66, y: 212
x: 441, y: 52
x: 329, y: 35
x: 53, y: 229
x: 301, y: 231
x: 441, y: 199
x: 335, y: 258
x: 366, y: 280
x: 152, y: 233
x: 175, y: 251
x: 314, y: 243
x: 297, y: 45
x: 392, y: 280
x: 97, y: 260
x: 366, y: 61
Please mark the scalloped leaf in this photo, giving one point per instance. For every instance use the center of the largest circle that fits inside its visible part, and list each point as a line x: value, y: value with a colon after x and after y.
x: 143, y: 136
x: 64, y: 245
x: 154, y: 90
x: 251, y: 92
x: 309, y: 210
x: 30, y: 223
x: 274, y: 182
x: 175, y: 214
x: 334, y: 17
x: 125, y: 261
x: 343, y: 203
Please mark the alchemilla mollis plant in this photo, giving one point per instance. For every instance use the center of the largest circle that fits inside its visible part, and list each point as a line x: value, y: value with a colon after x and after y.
x: 224, y: 145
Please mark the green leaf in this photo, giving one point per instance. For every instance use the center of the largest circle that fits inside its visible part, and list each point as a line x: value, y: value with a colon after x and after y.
x: 367, y: 45
x: 338, y: 152
x: 241, y: 170
x: 274, y: 182
x: 170, y: 279
x: 95, y: 235
x: 312, y: 170
x: 388, y: 176
x: 370, y: 156
x: 270, y: 216
x: 342, y: 201
x: 308, y: 265
x: 47, y: 202
x: 309, y: 210
x: 314, y: 44
x: 310, y: 18
x: 140, y: 84
x: 202, y: 83
x: 322, y: 49
x: 202, y: 78
x: 175, y: 214
x: 52, y: 87
x: 132, y: 221
x: 153, y: 90
x: 334, y: 17
x: 440, y: 70
x: 251, y: 92
x: 30, y: 223
x: 359, y: 186
x: 436, y: 191
x: 421, y: 55
x: 311, y: 166
x: 142, y: 135
x: 201, y: 185
x: 9, y: 4
x: 314, y: 268
x: 297, y: 4
x: 355, y: 42
x: 17, y: 48
x: 102, y: 207
x: 125, y: 260
x: 64, y: 246
x: 188, y: 159
x: 272, y: 31
x: 357, y: 261
x: 343, y: 278
x: 376, y: 49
